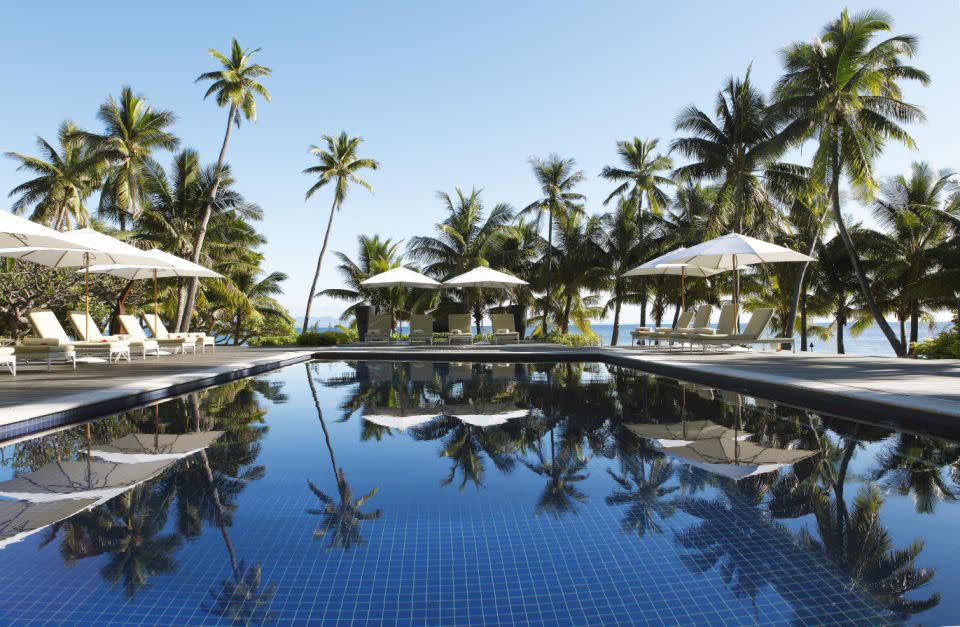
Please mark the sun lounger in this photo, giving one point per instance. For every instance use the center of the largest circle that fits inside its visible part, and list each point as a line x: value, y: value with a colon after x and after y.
x: 726, y: 325
x: 131, y: 327
x: 460, y: 332
x: 663, y: 333
x: 8, y: 358
x: 751, y: 333
x: 33, y: 348
x: 504, y: 331
x: 88, y: 331
x: 378, y: 330
x: 701, y: 321
x: 159, y: 330
x: 47, y: 327
x: 421, y: 329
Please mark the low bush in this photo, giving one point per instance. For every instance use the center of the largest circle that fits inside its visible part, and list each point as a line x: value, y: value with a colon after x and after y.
x: 322, y: 338
x: 570, y: 339
x: 272, y: 340
x: 946, y: 345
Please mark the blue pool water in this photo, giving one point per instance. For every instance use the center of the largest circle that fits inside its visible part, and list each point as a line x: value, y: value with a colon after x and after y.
x: 502, y: 494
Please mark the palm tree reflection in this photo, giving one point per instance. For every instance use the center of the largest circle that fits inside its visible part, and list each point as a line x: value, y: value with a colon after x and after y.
x: 341, y: 518
x: 644, y: 491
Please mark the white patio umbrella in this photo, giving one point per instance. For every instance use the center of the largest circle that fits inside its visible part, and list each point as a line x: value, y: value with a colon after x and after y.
x: 482, y: 276
x: 400, y: 277
x: 93, y: 247
x: 485, y: 416
x: 17, y: 232
x: 733, y: 251
x: 56, y: 481
x: 19, y: 519
x: 401, y: 419
x: 135, y: 448
x: 164, y: 266
x: 735, y: 459
x: 666, y: 264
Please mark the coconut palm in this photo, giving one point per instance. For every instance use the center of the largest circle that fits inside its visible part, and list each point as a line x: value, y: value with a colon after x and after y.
x: 834, y: 293
x: 644, y: 491
x: 557, y: 179
x: 249, y: 301
x: 341, y: 518
x: 66, y: 176
x: 640, y: 179
x: 374, y: 256
x: 737, y: 149
x: 133, y: 131
x: 915, y: 226
x: 843, y: 90
x: 467, y: 237
x: 340, y: 165
x: 236, y: 86
x: 579, y: 264
x: 622, y: 251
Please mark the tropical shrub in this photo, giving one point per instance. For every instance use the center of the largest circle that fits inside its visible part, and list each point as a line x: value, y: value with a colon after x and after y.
x: 322, y: 338
x: 570, y: 339
x: 946, y: 345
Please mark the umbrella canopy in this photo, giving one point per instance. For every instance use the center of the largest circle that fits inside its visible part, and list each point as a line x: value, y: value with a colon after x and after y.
x: 735, y: 459
x: 732, y: 251
x: 490, y: 416
x: 669, y: 435
x: 149, y: 447
x: 401, y: 277
x: 90, y: 247
x: 400, y: 418
x: 17, y: 232
x: 668, y: 264
x: 19, y: 519
x: 164, y: 265
x: 57, y: 481
x: 481, y: 276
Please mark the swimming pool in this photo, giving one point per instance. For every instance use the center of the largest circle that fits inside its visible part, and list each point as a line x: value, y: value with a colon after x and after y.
x: 436, y: 493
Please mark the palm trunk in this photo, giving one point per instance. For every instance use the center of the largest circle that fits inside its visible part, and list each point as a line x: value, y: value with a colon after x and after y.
x: 338, y: 475
x: 801, y: 280
x: 237, y: 329
x: 643, y: 259
x: 316, y: 275
x: 615, y: 337
x: 914, y: 327
x: 546, y: 301
x: 120, y: 308
x: 568, y: 304
x: 903, y: 329
x: 803, y: 322
x: 840, y: 325
x: 857, y: 266
x: 184, y: 326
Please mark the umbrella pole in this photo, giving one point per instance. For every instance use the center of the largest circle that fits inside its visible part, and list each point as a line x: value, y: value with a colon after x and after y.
x: 156, y: 311
x: 86, y: 296
x: 736, y: 295
x: 683, y: 289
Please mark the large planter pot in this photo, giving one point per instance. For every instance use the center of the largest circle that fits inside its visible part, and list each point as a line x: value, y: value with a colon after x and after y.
x: 519, y: 319
x: 363, y: 313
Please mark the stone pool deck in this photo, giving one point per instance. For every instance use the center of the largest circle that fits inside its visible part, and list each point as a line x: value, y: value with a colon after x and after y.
x: 915, y: 394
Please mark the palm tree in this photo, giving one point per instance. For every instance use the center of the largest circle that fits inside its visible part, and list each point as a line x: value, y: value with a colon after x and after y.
x: 340, y: 165
x: 738, y: 150
x: 66, y: 176
x: 468, y: 237
x: 249, y: 296
x: 835, y: 294
x: 915, y: 226
x: 580, y: 265
x: 622, y: 250
x: 133, y: 131
x: 638, y: 179
x: 375, y: 256
x: 645, y: 492
x: 342, y: 518
x: 843, y: 90
x: 236, y: 86
x: 556, y: 178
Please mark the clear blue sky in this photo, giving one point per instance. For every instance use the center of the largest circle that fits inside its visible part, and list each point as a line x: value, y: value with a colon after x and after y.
x: 443, y: 93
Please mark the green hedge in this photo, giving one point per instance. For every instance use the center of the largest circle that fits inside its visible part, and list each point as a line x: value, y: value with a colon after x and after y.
x: 272, y: 340
x: 322, y: 338
x: 570, y: 339
x: 945, y: 346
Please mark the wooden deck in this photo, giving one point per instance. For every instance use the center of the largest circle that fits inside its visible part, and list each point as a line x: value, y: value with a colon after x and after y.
x: 917, y: 394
